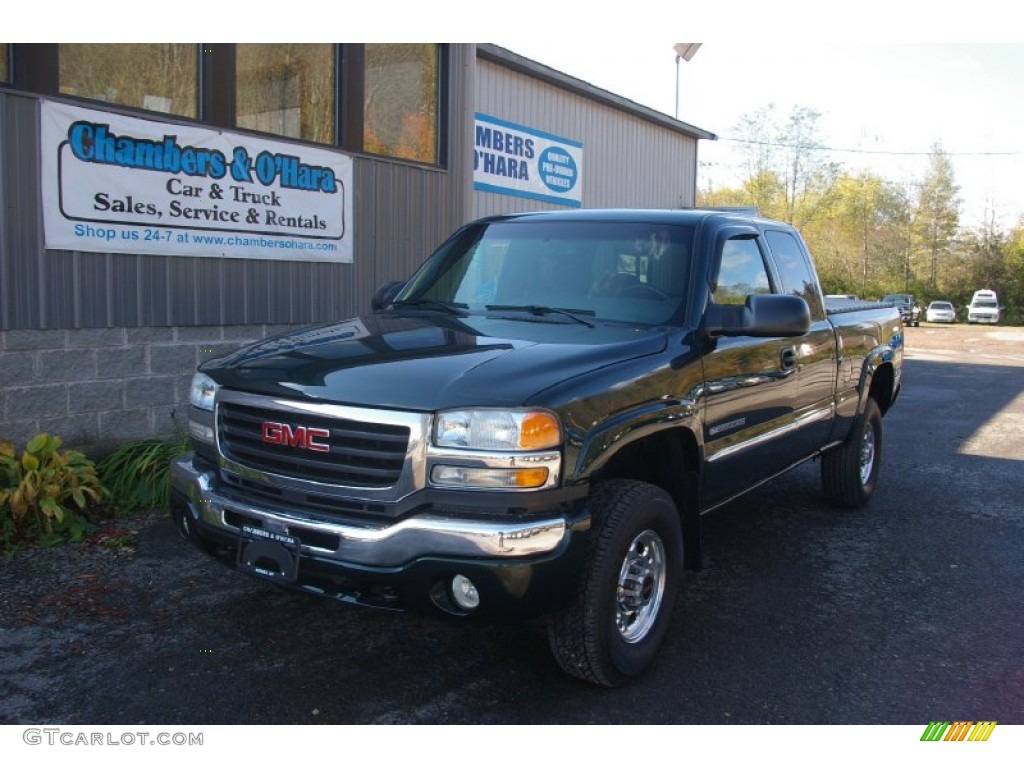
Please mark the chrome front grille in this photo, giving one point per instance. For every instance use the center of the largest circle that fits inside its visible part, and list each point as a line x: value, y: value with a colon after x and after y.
x: 363, y: 454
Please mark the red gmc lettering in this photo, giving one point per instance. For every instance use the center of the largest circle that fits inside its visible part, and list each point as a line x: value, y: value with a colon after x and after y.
x: 304, y: 437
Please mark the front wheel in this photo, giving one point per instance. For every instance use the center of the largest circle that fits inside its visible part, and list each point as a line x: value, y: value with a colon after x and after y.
x: 849, y: 473
x: 614, y: 628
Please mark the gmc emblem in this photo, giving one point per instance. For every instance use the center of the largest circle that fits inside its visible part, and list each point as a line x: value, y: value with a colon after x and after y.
x: 302, y: 437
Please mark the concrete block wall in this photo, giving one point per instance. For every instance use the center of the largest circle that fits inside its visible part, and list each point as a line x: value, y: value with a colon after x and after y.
x: 98, y: 387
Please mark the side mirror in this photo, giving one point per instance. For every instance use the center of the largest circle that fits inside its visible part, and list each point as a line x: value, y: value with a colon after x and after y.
x: 385, y: 294
x: 763, y: 315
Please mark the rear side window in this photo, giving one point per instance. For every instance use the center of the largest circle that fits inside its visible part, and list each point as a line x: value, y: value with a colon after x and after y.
x: 795, y: 271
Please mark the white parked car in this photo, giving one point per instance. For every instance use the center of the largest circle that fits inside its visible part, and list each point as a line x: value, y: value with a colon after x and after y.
x: 984, y: 307
x: 940, y: 312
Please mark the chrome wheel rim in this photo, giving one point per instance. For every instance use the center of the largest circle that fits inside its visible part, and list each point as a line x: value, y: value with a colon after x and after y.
x: 641, y: 586
x: 867, y: 455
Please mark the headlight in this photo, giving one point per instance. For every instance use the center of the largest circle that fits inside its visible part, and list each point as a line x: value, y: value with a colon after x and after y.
x: 494, y: 430
x: 203, y: 390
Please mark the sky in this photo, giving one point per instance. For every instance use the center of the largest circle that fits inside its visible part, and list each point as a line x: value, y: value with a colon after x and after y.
x: 885, y: 104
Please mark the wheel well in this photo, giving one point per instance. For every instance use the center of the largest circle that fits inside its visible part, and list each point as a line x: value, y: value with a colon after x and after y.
x: 670, y: 460
x: 881, y: 389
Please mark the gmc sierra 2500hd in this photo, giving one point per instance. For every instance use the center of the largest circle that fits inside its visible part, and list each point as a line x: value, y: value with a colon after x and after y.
x: 533, y: 424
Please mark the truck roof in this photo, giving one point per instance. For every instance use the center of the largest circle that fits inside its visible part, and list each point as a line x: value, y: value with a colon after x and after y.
x: 690, y: 216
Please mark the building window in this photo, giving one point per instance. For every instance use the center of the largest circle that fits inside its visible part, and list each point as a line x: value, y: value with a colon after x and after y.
x: 161, y: 77
x: 380, y: 98
x: 400, y: 100
x: 5, y: 62
x: 287, y: 89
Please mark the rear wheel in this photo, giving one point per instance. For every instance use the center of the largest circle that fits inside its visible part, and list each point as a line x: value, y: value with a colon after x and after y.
x: 849, y: 473
x: 613, y: 630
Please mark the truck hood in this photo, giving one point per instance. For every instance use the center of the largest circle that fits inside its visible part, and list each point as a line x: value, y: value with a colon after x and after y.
x: 425, y: 362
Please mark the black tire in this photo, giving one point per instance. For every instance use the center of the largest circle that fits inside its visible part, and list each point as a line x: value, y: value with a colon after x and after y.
x: 849, y: 473
x: 614, y: 628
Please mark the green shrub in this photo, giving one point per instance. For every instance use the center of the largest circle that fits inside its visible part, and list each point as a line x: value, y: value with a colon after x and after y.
x: 40, y: 490
x: 138, y: 474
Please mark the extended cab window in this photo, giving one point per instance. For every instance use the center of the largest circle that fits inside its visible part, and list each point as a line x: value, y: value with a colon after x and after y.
x: 795, y: 272
x: 741, y: 273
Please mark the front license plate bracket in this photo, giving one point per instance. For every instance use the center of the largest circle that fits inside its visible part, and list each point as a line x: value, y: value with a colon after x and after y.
x: 270, y: 555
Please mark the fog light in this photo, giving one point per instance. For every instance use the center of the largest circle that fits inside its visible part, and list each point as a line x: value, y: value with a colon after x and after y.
x: 464, y: 593
x: 486, y: 477
x: 200, y: 432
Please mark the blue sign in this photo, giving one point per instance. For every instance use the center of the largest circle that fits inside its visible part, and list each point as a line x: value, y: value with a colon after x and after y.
x: 513, y: 159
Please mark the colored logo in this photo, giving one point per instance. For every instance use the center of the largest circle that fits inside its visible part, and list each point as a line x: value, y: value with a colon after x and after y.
x: 278, y: 433
x: 557, y: 169
x: 958, y: 730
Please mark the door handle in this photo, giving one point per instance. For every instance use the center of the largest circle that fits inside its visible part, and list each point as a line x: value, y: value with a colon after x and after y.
x: 788, y: 359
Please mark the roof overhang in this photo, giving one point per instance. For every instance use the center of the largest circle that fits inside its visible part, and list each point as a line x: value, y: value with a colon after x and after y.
x: 534, y: 69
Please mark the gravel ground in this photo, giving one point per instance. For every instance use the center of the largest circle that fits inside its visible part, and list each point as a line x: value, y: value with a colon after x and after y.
x: 59, y: 604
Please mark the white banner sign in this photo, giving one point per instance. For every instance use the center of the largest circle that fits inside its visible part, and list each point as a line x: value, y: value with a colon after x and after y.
x: 515, y: 160
x: 122, y: 184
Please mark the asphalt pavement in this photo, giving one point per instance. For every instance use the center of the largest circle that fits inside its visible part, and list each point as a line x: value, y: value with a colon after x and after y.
x: 907, y: 611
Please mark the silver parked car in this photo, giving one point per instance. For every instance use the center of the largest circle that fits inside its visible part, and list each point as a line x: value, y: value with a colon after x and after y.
x: 940, y: 312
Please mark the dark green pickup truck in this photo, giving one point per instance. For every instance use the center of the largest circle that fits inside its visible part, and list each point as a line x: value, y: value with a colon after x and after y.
x: 534, y: 423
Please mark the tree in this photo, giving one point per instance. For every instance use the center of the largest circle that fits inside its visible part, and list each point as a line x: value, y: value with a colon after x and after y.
x: 788, y: 175
x: 986, y: 249
x: 810, y: 177
x: 862, y: 236
x: 871, y: 235
x: 937, y: 215
x: 761, y: 182
x: 1013, y: 286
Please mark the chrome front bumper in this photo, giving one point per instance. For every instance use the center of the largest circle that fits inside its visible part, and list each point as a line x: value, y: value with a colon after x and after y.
x: 368, y: 545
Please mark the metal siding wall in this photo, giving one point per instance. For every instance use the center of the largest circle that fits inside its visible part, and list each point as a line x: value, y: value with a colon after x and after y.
x: 154, y: 293
x: 124, y: 278
x: 256, y: 288
x: 90, y: 289
x: 408, y: 216
x: 402, y: 211
x: 181, y: 278
x: 210, y: 289
x: 19, y: 219
x: 59, y: 285
x: 235, y: 272
x: 96, y: 269
x: 5, y: 171
x: 627, y: 161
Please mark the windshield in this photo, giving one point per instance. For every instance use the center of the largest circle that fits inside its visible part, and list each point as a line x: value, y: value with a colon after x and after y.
x: 898, y: 298
x: 620, y: 271
x: 984, y: 304
x: 941, y: 305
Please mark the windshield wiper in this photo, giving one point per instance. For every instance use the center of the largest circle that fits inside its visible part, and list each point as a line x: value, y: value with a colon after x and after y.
x: 452, y: 308
x: 535, y: 309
